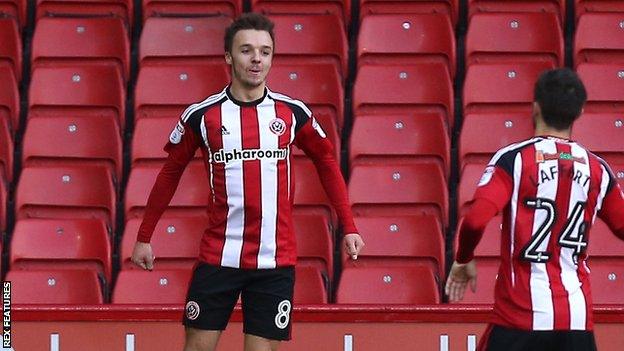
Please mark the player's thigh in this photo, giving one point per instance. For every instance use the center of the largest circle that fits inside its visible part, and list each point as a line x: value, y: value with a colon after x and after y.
x: 267, y: 303
x: 257, y: 343
x: 507, y: 339
x: 211, y: 296
x: 201, y: 340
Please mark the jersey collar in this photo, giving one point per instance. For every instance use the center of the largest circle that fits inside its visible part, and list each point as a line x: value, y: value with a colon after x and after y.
x: 245, y: 103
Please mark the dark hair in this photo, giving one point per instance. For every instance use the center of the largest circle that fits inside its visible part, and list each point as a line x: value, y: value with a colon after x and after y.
x: 248, y: 21
x: 561, y: 95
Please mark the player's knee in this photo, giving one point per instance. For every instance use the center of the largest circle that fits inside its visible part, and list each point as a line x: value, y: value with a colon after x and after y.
x: 201, y: 340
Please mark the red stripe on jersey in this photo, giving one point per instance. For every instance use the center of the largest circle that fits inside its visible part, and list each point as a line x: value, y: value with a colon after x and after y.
x: 561, y: 308
x: 252, y: 183
x: 215, y: 238
x: 285, y: 241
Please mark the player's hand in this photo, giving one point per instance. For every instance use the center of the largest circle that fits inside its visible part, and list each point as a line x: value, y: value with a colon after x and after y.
x: 353, y: 243
x: 142, y: 255
x: 460, y: 276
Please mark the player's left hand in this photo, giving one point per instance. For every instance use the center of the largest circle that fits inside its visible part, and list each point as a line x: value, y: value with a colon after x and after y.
x: 459, y: 277
x: 353, y: 243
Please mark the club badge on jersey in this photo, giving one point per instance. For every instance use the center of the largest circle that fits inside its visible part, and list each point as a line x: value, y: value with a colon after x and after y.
x: 176, y: 134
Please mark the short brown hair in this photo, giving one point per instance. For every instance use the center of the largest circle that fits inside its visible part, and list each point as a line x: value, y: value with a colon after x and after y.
x: 248, y: 21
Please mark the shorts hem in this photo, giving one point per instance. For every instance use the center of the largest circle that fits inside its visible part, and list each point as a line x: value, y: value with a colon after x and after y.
x: 265, y: 335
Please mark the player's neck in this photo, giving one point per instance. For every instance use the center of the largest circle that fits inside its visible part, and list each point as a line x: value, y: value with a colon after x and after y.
x: 246, y: 94
x: 547, y: 131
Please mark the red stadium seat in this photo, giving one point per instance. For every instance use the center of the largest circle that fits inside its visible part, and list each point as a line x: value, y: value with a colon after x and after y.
x: 86, y: 92
x: 338, y: 8
x: 78, y: 244
x: 309, y: 286
x: 603, y: 243
x: 168, y: 91
x: 191, y: 8
x: 66, y: 192
x: 175, y: 40
x: 84, y: 40
x: 67, y: 287
x: 400, y: 241
x: 502, y: 129
x: 84, y: 8
x: 590, y: 6
x: 312, y: 39
x: 317, y: 85
x: 160, y: 287
x: 420, y: 138
x: 501, y: 87
x: 191, y: 198
x: 603, y: 134
x: 314, y: 244
x: 3, y: 205
x: 310, y: 197
x: 59, y: 141
x: 514, y: 37
x: 9, y: 99
x: 406, y: 39
x: 11, y: 48
x: 15, y: 9
x: 468, y: 180
x: 487, y: 273
x: 557, y: 7
x: 605, y: 86
x: 175, y: 242
x: 396, y: 89
x: 449, y: 8
x: 599, y: 38
x: 6, y: 152
x: 607, y: 279
x: 388, y: 285
x: 149, y: 138
x: 398, y: 189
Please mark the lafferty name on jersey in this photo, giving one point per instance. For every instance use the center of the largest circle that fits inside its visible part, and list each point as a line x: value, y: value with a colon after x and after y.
x: 223, y: 156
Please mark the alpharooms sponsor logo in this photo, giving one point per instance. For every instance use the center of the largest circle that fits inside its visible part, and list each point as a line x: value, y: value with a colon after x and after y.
x: 223, y: 156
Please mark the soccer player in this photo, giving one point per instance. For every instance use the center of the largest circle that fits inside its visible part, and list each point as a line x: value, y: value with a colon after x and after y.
x: 550, y: 190
x: 245, y: 133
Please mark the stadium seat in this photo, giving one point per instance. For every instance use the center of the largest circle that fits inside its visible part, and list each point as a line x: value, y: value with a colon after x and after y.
x: 314, y: 244
x: 557, y: 7
x: 59, y: 141
x: 11, y: 48
x: 317, y: 85
x: 168, y: 91
x: 310, y: 39
x: 603, y: 134
x: 66, y: 192
x: 406, y: 39
x: 191, y: 8
x: 84, y: 40
x: 176, y: 40
x: 310, y: 196
x: 502, y: 129
x: 514, y: 37
x: 175, y: 242
x: 3, y: 205
x: 603, y: 243
x: 607, y: 280
x: 15, y: 9
x: 338, y: 8
x: 449, y: 8
x: 387, y: 285
x: 86, y: 92
x: 6, y: 152
x: 486, y: 281
x: 86, y: 8
x: 161, y: 287
x: 400, y: 241
x: 9, y: 99
x: 309, y: 286
x: 149, y: 138
x: 77, y: 244
x: 67, y: 287
x: 599, y: 38
x: 468, y: 180
x: 582, y: 7
x: 399, y: 189
x: 420, y: 138
x: 191, y: 197
x: 415, y: 88
x: 501, y: 87
x: 605, y: 86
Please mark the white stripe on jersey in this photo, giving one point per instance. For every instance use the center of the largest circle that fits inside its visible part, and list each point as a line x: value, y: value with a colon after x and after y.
x: 569, y: 275
x: 234, y: 188
x: 508, y: 148
x: 541, y: 295
x: 202, y: 127
x: 269, y: 180
x: 514, y: 211
x: 292, y: 140
x: 604, y: 185
x: 207, y: 102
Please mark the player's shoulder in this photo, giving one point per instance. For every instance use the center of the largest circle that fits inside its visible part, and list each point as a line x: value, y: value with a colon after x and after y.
x: 196, y: 110
x: 513, y: 149
x: 297, y: 106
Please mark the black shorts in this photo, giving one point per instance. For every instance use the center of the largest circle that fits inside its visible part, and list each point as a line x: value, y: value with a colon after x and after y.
x: 498, y: 338
x: 266, y: 296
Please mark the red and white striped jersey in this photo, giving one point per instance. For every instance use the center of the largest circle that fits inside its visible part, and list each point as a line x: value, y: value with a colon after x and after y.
x: 550, y: 191
x: 246, y: 148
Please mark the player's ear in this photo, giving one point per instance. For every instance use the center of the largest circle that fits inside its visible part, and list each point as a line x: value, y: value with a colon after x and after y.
x: 228, y: 58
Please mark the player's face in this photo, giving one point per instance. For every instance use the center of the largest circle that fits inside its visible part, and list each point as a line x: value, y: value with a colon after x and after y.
x: 250, y: 58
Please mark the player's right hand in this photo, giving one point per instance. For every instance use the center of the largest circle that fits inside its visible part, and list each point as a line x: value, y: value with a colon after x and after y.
x: 459, y: 277
x: 143, y: 256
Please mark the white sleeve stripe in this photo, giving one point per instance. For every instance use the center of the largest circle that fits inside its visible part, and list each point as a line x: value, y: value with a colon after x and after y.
x: 282, y: 97
x: 207, y: 102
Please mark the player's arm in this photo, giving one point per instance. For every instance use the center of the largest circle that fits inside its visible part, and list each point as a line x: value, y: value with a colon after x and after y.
x: 181, y: 148
x: 612, y: 210
x: 313, y: 141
